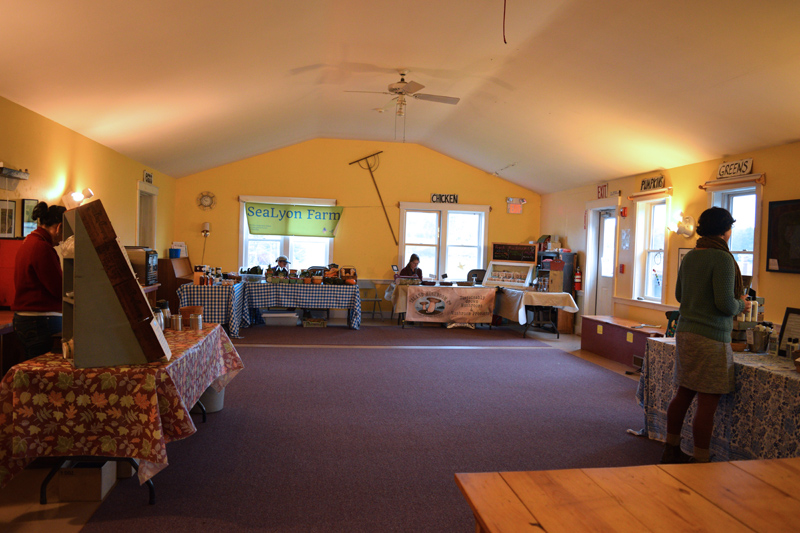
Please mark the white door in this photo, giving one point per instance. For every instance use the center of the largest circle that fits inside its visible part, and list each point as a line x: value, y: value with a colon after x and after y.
x: 606, y: 247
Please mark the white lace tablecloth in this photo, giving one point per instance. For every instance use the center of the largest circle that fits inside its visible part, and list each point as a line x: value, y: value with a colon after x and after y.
x: 759, y: 420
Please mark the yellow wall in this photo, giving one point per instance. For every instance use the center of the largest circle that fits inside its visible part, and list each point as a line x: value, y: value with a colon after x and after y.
x: 320, y: 169
x: 60, y: 160
x: 563, y: 213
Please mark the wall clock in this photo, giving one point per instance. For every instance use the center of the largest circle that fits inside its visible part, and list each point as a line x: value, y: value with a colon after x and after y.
x: 206, y: 200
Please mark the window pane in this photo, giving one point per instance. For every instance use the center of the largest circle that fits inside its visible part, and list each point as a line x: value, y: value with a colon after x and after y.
x: 262, y: 252
x: 427, y: 258
x: 307, y: 252
x: 745, y: 262
x: 460, y: 260
x: 743, y: 209
x: 422, y: 227
x: 658, y: 225
x: 464, y: 229
x: 607, y: 247
x: 654, y: 275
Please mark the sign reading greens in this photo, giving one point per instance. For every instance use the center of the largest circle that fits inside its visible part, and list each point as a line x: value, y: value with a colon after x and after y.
x: 300, y: 220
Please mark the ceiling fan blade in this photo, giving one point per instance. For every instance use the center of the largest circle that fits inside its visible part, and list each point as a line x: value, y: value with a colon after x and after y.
x: 436, y: 98
x: 370, y: 92
x: 387, y: 107
x: 412, y: 87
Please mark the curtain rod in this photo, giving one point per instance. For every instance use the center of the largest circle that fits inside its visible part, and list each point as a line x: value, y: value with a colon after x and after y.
x: 664, y: 190
x: 749, y: 178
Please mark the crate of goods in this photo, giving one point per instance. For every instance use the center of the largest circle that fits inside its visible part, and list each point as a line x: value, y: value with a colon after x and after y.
x: 86, y: 482
x: 314, y: 323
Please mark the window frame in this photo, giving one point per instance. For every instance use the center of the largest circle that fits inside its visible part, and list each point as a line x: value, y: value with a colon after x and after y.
x: 244, y: 231
x: 444, y: 211
x: 721, y: 195
x: 644, y: 209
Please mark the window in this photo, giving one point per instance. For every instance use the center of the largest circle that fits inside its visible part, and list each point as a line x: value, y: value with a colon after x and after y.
x: 449, y: 239
x: 651, y: 226
x: 263, y: 250
x: 742, y: 205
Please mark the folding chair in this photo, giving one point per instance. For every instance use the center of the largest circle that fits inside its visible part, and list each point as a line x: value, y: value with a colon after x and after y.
x: 479, y: 273
x: 364, y: 287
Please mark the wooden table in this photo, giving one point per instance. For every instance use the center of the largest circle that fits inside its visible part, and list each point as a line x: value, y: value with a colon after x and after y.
x: 761, y: 495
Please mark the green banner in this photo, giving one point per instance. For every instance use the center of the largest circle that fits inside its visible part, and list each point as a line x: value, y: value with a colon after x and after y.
x: 302, y: 220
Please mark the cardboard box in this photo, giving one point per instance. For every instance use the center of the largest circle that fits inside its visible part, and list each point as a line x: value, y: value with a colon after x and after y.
x: 125, y: 470
x: 86, y: 482
x: 280, y: 319
x: 314, y: 323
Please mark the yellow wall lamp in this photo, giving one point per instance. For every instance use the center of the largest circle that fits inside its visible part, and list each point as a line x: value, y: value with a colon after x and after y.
x: 74, y: 199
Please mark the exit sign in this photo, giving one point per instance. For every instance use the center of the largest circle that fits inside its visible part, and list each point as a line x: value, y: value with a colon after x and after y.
x: 515, y: 209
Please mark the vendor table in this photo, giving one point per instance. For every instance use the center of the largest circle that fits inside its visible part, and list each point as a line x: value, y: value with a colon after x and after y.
x: 304, y: 296
x: 222, y: 304
x: 514, y: 304
x: 399, y: 294
x: 448, y: 303
x: 48, y: 408
x: 759, y: 420
x: 729, y: 496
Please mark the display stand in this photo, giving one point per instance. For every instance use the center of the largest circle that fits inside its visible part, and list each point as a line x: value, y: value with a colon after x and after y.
x: 106, y: 315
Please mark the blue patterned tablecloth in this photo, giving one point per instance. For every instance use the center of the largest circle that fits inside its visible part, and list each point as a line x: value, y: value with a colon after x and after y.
x: 759, y: 420
x: 222, y: 304
x: 304, y: 296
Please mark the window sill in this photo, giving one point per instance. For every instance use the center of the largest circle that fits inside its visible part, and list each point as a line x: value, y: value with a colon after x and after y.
x: 645, y: 304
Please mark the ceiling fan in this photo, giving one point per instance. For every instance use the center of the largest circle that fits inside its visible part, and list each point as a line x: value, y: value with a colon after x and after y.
x: 404, y: 88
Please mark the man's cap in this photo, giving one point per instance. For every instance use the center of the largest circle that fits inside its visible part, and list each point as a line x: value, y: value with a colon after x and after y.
x: 283, y: 258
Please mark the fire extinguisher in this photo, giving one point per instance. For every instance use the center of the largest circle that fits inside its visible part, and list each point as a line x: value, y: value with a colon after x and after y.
x: 578, y: 279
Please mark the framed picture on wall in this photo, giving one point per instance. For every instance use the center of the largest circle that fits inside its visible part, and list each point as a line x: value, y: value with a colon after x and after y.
x: 8, y: 214
x: 783, y: 237
x: 28, y: 224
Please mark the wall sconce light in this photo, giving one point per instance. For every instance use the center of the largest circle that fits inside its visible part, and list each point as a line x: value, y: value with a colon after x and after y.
x: 685, y: 226
x: 74, y: 199
x: 205, y: 232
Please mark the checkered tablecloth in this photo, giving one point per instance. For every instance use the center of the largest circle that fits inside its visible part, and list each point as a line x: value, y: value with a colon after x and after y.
x: 222, y: 304
x: 304, y: 296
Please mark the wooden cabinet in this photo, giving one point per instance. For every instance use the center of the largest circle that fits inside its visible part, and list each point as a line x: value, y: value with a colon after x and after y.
x: 618, y: 339
x: 106, y: 316
x: 172, y: 273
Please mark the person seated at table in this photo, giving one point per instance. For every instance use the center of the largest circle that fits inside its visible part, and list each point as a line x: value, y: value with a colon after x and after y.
x: 711, y: 292
x: 37, y: 283
x: 411, y: 268
x: 282, y: 269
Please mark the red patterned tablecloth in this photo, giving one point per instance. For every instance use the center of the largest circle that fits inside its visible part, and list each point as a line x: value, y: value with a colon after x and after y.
x: 50, y: 408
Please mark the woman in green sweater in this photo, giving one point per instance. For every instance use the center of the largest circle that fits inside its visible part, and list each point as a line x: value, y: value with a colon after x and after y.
x: 711, y: 293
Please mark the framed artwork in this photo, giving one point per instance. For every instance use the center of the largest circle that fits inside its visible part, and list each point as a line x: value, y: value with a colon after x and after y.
x: 28, y: 224
x: 783, y: 237
x: 8, y: 215
x: 789, y: 329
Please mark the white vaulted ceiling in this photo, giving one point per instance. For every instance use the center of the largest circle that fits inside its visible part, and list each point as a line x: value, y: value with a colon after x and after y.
x: 583, y: 91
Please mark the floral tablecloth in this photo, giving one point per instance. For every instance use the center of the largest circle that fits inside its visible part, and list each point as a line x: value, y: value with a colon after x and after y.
x: 50, y: 408
x: 759, y: 420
